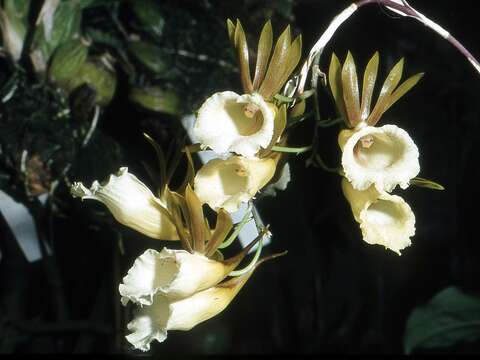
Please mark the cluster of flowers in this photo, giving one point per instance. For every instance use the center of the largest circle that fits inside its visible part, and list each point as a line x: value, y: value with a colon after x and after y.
x: 375, y: 159
x: 177, y: 289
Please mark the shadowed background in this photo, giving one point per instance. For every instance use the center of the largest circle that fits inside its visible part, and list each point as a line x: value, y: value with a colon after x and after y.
x: 332, y: 293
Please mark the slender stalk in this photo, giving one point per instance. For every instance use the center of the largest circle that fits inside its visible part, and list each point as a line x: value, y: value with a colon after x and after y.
x: 296, y: 150
x: 246, y: 218
x: 399, y: 6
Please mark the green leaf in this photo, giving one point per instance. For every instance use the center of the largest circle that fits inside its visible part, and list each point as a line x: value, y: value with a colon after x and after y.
x: 369, y: 78
x: 156, y: 99
x: 66, y: 26
x: 263, y: 54
x: 418, y: 181
x: 350, y: 90
x: 149, y: 15
x: 149, y: 55
x: 452, y: 316
x: 95, y: 74
x: 67, y: 61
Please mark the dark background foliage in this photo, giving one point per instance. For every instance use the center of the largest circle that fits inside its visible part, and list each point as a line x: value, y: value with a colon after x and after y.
x: 332, y: 293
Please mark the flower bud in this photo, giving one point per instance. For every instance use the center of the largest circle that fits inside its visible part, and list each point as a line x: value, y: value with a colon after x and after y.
x: 228, y: 122
x: 131, y: 203
x: 385, y: 156
x: 384, y: 219
x: 227, y: 183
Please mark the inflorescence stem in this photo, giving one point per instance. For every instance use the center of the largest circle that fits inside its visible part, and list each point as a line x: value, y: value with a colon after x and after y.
x: 398, y: 6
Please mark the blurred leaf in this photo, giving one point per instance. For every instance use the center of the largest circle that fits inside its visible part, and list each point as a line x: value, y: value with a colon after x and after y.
x: 98, y: 76
x: 149, y: 15
x: 148, y: 55
x: 449, y: 318
x: 67, y: 61
x: 66, y: 26
x: 156, y: 99
x: 14, y: 26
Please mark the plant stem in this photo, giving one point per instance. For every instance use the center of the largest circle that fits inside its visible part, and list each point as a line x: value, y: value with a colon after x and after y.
x: 399, y: 6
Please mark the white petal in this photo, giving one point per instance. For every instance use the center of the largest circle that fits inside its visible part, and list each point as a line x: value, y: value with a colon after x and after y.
x: 173, y: 273
x: 223, y: 126
x: 150, y: 323
x: 227, y: 183
x: 131, y: 203
x: 389, y: 158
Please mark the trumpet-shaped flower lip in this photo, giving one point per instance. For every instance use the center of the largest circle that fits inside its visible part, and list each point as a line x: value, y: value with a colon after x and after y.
x: 389, y: 221
x: 228, y: 122
x: 227, y: 183
x: 172, y: 273
x: 384, y: 219
x: 131, y: 203
x: 152, y: 322
x: 385, y: 156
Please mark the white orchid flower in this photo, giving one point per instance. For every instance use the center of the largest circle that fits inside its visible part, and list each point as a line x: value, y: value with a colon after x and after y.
x: 154, y: 321
x: 384, y: 219
x: 131, y: 203
x: 227, y: 183
x: 228, y: 122
x: 173, y: 274
x: 385, y: 156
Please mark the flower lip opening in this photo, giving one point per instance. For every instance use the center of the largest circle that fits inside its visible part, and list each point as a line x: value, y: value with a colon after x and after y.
x: 384, y: 213
x: 377, y: 151
x: 233, y: 179
x: 247, y: 118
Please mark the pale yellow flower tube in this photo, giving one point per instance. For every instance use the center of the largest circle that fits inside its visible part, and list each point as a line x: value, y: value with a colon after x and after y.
x: 131, y: 203
x: 153, y: 322
x: 227, y: 183
x: 384, y: 219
